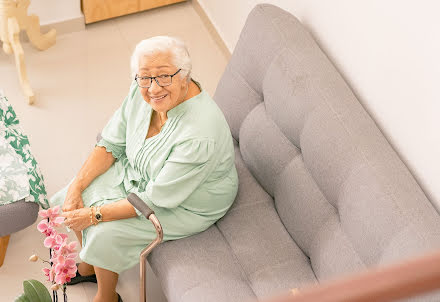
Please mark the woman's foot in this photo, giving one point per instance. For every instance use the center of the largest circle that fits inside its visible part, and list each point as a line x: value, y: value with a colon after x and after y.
x: 83, y: 274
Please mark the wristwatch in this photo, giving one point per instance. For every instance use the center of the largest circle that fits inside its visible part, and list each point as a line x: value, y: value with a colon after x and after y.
x: 98, y: 214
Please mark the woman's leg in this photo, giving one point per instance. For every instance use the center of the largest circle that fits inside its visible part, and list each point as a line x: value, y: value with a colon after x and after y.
x: 107, y: 281
x: 84, y: 269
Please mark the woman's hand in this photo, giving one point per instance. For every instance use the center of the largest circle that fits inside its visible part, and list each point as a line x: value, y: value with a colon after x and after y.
x: 77, y: 220
x: 73, y: 199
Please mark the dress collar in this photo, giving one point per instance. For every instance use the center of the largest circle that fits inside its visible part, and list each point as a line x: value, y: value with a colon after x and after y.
x: 184, y: 106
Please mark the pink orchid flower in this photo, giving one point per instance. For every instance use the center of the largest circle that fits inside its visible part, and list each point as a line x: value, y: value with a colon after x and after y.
x: 54, y: 241
x: 50, y: 213
x: 62, y: 239
x: 45, y: 228
x: 65, y: 269
x: 61, y: 279
x: 63, y: 253
x: 57, y: 221
x: 49, y: 274
x: 68, y: 249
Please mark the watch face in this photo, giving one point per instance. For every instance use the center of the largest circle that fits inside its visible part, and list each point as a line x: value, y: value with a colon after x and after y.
x: 98, y: 216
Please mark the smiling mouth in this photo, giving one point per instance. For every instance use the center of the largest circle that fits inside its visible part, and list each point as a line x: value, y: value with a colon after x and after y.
x: 158, y: 98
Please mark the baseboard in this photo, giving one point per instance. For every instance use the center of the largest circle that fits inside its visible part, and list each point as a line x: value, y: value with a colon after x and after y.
x: 211, y: 28
x: 62, y: 27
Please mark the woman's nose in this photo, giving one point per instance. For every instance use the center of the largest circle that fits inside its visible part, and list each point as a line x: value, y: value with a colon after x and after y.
x: 154, y: 87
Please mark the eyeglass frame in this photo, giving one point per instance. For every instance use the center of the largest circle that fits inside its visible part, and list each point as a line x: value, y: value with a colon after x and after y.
x: 154, y: 78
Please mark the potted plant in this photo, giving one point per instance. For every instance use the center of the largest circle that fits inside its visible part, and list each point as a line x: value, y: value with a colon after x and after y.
x: 62, y: 260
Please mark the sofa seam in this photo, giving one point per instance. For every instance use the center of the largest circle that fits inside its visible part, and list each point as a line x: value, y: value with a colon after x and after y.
x: 234, y: 256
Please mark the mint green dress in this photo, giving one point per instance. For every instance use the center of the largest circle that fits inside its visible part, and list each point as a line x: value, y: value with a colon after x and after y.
x: 186, y: 174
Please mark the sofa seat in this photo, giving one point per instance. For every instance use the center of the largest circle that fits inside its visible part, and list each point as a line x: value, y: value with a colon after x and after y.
x: 239, y: 257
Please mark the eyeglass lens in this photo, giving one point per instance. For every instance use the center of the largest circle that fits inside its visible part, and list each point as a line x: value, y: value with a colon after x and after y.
x: 160, y: 80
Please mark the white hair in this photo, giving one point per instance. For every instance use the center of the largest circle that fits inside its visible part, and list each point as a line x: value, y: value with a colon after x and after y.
x: 177, y: 47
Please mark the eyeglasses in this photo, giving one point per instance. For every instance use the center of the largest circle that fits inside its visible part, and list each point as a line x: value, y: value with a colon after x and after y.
x: 162, y: 80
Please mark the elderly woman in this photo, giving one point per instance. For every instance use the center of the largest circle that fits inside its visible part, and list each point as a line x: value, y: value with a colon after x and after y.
x: 168, y: 143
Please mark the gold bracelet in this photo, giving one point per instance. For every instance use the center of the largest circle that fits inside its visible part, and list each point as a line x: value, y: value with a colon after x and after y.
x: 91, y: 215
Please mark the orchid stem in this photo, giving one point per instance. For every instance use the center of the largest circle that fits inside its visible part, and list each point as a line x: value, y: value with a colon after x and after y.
x: 64, y: 292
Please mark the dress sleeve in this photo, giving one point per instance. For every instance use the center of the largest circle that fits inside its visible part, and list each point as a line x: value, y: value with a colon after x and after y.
x: 114, y: 133
x: 186, y: 168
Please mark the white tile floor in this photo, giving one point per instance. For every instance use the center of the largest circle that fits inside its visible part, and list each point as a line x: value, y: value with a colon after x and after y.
x: 79, y: 83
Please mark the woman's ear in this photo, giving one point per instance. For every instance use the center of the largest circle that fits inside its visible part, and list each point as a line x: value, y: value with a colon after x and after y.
x: 185, y: 82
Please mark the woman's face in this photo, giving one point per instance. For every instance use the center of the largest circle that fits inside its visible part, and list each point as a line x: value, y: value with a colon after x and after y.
x: 162, y: 99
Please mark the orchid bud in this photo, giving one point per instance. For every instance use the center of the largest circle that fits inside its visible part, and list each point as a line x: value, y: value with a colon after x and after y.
x: 55, y: 287
x: 33, y: 258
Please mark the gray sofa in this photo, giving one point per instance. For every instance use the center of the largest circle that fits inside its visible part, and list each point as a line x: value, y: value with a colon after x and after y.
x: 322, y: 193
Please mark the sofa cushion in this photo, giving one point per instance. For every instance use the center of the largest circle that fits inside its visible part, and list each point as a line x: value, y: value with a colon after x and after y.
x: 200, y: 268
x: 271, y: 260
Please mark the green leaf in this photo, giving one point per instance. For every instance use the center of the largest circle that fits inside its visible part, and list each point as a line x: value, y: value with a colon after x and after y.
x: 22, y: 298
x: 36, y: 291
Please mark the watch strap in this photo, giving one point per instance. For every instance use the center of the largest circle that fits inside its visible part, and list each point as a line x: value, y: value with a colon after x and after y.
x: 98, y: 215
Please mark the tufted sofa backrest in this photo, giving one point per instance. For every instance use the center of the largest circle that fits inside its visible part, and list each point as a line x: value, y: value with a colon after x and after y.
x: 340, y: 189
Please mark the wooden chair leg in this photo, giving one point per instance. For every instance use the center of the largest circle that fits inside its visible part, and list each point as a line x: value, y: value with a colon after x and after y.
x: 3, y: 246
x: 14, y: 30
x: 32, y: 26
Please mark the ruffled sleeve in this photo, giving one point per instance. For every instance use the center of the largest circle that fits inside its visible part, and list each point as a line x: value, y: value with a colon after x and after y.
x: 187, y: 167
x: 114, y: 133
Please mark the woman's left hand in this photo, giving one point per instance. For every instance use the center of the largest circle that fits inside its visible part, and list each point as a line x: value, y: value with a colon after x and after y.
x: 78, y: 219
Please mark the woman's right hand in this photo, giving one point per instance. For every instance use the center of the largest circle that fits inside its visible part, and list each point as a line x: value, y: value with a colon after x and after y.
x: 73, y: 199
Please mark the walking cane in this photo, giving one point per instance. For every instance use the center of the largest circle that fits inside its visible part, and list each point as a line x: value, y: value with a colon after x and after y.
x: 149, y: 214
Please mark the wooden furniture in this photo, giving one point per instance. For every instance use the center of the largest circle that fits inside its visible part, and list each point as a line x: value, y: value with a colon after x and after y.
x: 13, y: 18
x: 3, y: 247
x: 97, y: 10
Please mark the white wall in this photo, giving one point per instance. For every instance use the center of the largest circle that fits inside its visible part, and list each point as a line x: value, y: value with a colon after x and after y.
x: 54, y: 11
x: 388, y: 51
